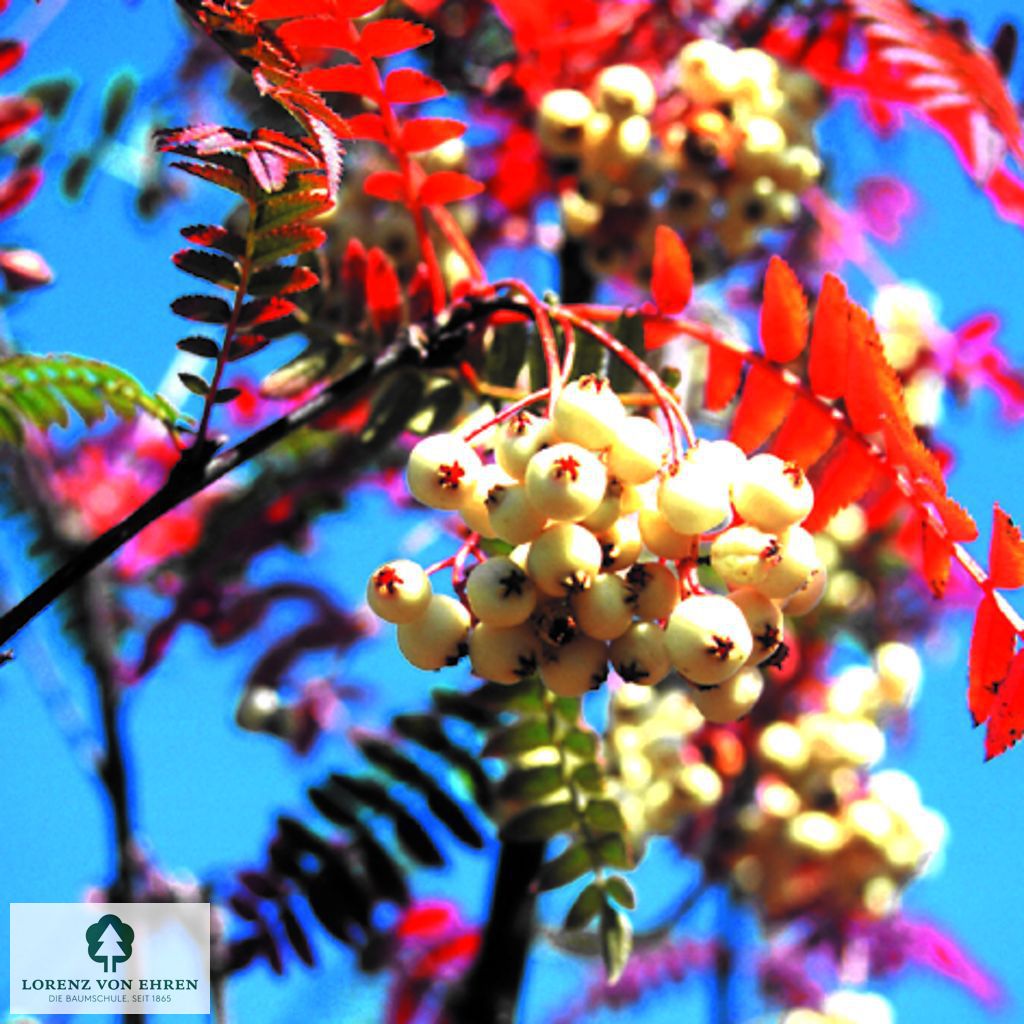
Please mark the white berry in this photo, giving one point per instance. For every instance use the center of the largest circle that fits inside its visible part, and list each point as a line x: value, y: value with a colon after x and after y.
x: 621, y: 544
x: 659, y: 537
x: 563, y: 559
x: 565, y: 482
x: 500, y: 593
x: 730, y: 700
x: 764, y: 619
x: 504, y: 655
x: 809, y: 596
x: 655, y: 590
x: 640, y: 655
x: 476, y: 513
x: 604, y: 610
x: 437, y: 638
x: 771, y: 494
x: 398, y: 591
x: 637, y: 451
x: 442, y: 471
x: 695, y: 498
x: 798, y: 561
x: 519, y: 439
x: 708, y: 639
x: 744, y: 555
x: 575, y: 668
x: 511, y: 514
x: 588, y: 412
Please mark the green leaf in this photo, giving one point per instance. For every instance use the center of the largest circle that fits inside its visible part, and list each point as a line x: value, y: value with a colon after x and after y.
x: 616, y: 942
x: 567, y: 709
x: 290, y: 208
x: 116, y: 103
x: 200, y: 345
x: 604, y: 815
x: 393, y: 405
x: 287, y: 240
x: 38, y: 391
x: 621, y: 891
x: 224, y: 395
x: 565, y: 868
x: 52, y: 93
x: 518, y: 739
x: 612, y: 850
x: 535, y: 823
x: 531, y: 783
x: 585, y: 908
x: 590, y: 357
x: 629, y: 329
x: 506, y: 354
x: 76, y: 174
x: 438, y: 407
x: 527, y: 697
x: 589, y: 777
x: 581, y: 742
x: 195, y: 384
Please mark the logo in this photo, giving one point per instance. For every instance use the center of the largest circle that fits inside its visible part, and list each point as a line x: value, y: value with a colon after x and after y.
x: 110, y: 941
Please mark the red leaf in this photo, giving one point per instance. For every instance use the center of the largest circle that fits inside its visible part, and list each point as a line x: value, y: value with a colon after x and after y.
x: 268, y: 168
x: 725, y: 371
x: 1006, y: 720
x: 383, y: 294
x: 318, y: 34
x: 763, y: 406
x: 351, y: 78
x: 425, y: 133
x: 955, y: 518
x: 937, y: 554
x: 1006, y: 552
x: 11, y: 53
x: 806, y: 435
x: 387, y: 185
x: 992, y: 642
x: 828, y: 360
x: 369, y: 127
x: 389, y: 36
x: 864, y: 397
x: 17, y: 114
x: 271, y: 10
x: 18, y: 189
x: 407, y: 85
x: 214, y: 173
x: 448, y: 187
x: 846, y: 478
x: 213, y: 236
x: 783, y: 313
x: 263, y: 311
x: 672, y: 273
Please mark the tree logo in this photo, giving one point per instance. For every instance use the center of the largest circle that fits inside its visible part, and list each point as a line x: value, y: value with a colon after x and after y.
x: 110, y: 941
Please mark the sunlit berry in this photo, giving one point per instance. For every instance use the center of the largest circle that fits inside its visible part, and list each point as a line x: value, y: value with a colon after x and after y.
x: 563, y: 559
x: 809, y: 596
x: 257, y: 708
x: 637, y: 451
x: 771, y: 494
x: 520, y: 438
x: 730, y: 700
x: 782, y: 747
x: 816, y: 834
x: 575, y: 668
x: 660, y: 539
x: 763, y: 144
x: 744, y: 555
x: 500, y: 593
x: 604, y: 610
x: 565, y: 482
x: 764, y: 619
x: 561, y: 118
x: 640, y: 655
x: 511, y: 514
x: 476, y: 512
x: 726, y: 455
x: 442, y: 471
x: 503, y: 655
x: 439, y: 637
x: 398, y: 591
x: 795, y: 566
x: 621, y: 544
x: 698, y: 787
x: 655, y: 590
x: 708, y: 639
x: 695, y: 498
x: 709, y: 72
x: 624, y: 90
x: 607, y: 513
x: 588, y: 412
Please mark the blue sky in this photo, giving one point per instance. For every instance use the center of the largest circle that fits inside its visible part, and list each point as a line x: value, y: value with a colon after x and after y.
x: 207, y: 793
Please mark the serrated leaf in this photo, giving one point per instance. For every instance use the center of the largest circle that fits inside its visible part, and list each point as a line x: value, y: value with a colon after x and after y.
x: 1006, y: 552
x: 208, y: 266
x: 783, y: 313
x: 539, y: 823
x: 290, y: 208
x: 531, y: 783
x: 604, y: 815
x: 287, y: 240
x: 616, y: 942
x: 218, y: 175
x: 388, y: 36
x: 213, y: 236
x: 407, y: 85
x: 282, y: 280
x: 517, y: 739
x: 621, y: 891
x: 198, y: 345
x: 584, y: 908
x: 203, y: 309
x: 569, y: 865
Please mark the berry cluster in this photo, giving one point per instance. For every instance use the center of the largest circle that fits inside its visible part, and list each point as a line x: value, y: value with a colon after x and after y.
x: 605, y: 525
x: 732, y: 150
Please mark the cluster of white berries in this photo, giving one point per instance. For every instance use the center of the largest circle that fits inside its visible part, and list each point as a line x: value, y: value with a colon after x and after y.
x: 606, y: 533
x: 733, y: 159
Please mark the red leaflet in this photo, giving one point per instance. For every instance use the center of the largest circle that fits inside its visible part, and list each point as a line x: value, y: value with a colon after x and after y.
x: 1006, y: 552
x: 369, y: 127
x: 783, y: 313
x: 671, y: 274
x: 353, y: 78
x: 270, y: 10
x: 725, y: 371
x: 383, y: 294
x: 448, y: 187
x: 1006, y: 718
x: 864, y: 398
x: 806, y: 435
x: 828, y: 360
x: 17, y: 114
x: 387, y: 185
x: 213, y: 236
x: 763, y: 406
x: 11, y: 53
x: 847, y: 477
x: 407, y: 85
x: 18, y: 189
x: 937, y: 555
x: 992, y: 643
x: 318, y: 34
x: 389, y: 36
x: 263, y: 311
x: 214, y: 172
x: 423, y: 133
